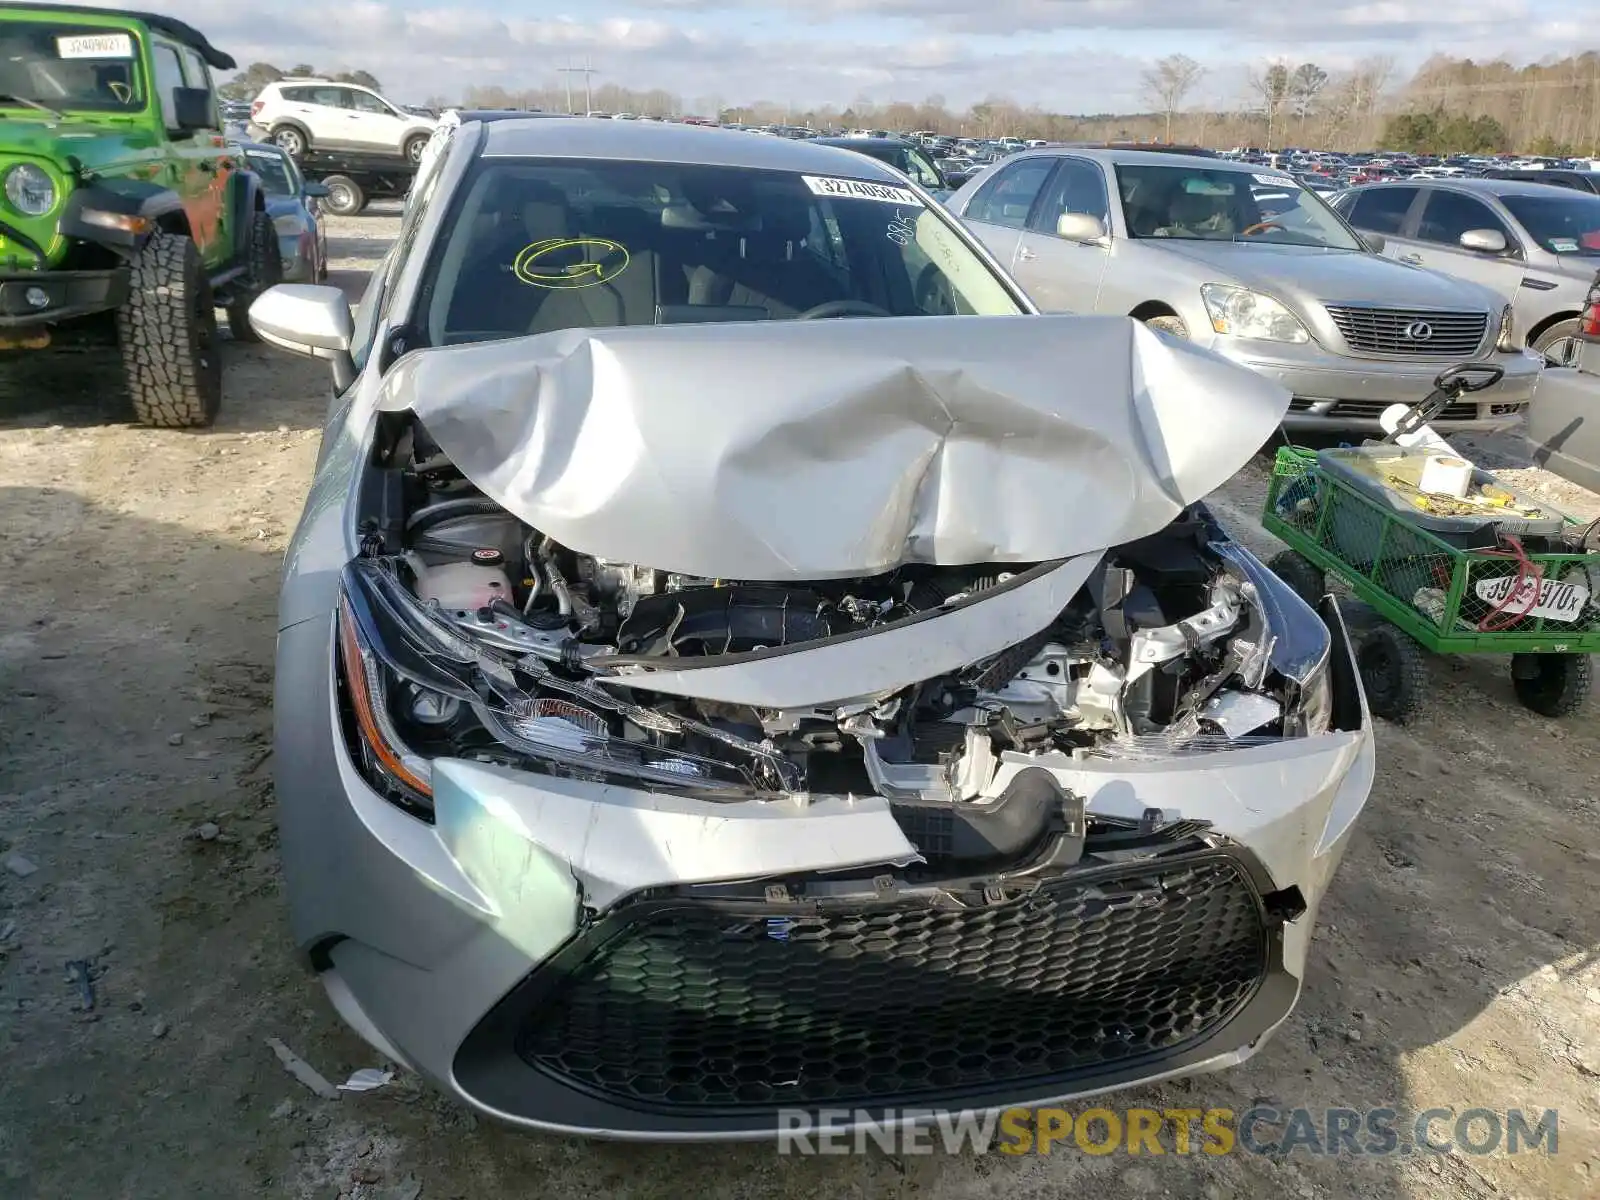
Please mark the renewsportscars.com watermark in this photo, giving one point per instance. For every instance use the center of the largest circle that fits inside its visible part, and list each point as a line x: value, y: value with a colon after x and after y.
x: 1341, y: 1132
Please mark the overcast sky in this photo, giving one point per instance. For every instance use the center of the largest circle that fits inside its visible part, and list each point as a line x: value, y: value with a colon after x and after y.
x: 1063, y: 55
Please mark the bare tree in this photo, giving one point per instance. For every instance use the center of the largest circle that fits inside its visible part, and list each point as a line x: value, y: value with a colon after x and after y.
x: 1169, y: 81
x: 1305, y: 86
x: 1272, y: 86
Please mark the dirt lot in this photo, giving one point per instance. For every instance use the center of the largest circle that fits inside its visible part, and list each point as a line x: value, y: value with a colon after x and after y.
x: 1455, y: 967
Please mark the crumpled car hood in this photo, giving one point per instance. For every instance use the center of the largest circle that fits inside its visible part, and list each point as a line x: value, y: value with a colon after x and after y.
x: 808, y: 450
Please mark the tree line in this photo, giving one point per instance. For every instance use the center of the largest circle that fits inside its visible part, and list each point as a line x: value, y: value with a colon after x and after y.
x: 1448, y: 105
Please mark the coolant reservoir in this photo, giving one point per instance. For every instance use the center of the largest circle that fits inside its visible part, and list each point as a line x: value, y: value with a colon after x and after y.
x: 466, y: 585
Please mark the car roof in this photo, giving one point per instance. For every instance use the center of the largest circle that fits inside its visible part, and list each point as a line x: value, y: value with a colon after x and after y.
x: 1143, y: 158
x: 1492, y: 187
x: 586, y: 137
x: 852, y: 142
x: 175, y: 29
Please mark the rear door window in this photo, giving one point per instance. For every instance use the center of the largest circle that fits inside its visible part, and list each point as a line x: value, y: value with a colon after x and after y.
x: 1381, y: 210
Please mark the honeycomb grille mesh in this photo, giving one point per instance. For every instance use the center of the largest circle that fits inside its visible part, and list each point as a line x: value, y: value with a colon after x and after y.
x: 705, y: 1006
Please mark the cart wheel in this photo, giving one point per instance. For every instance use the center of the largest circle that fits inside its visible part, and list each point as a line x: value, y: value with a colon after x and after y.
x: 1302, y: 575
x: 1552, y: 685
x: 1394, y: 670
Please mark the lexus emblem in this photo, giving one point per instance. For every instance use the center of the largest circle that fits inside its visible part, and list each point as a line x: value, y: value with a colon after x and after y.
x: 1417, y: 331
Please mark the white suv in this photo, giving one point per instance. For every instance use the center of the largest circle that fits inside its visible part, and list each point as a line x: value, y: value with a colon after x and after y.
x: 318, y: 114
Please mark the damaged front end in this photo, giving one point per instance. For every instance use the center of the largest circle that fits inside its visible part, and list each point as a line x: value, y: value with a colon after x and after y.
x: 947, y: 830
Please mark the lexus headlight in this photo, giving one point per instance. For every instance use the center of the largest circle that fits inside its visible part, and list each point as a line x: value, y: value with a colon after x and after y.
x: 1239, y: 312
x: 1505, y: 340
x: 31, y: 192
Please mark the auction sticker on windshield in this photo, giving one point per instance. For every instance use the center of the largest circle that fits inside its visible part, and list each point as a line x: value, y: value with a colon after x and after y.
x: 1276, y: 180
x: 95, y: 45
x: 1555, y: 600
x: 860, y: 189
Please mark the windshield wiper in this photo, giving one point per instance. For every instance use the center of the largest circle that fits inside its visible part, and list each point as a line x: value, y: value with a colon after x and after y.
x: 6, y: 98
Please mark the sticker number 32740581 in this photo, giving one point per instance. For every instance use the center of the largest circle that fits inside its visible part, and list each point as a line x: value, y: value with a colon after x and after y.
x: 860, y: 189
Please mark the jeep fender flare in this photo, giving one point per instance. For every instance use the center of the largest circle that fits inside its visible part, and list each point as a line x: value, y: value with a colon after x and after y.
x: 246, y: 199
x: 132, y: 198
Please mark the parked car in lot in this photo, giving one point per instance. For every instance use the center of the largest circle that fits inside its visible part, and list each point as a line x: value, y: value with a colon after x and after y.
x: 294, y: 204
x: 124, y: 213
x: 1537, y: 246
x: 1581, y: 181
x: 652, y: 761
x: 1250, y: 264
x: 906, y: 157
x: 301, y: 114
x: 1564, y: 427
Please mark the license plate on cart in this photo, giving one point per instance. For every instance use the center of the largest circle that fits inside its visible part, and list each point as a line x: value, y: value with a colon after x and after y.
x: 1556, y: 601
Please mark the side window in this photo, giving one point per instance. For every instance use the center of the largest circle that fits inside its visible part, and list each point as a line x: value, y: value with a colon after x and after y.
x: 199, y: 76
x: 169, y: 75
x: 1447, y: 215
x: 922, y: 170
x: 1078, y: 187
x: 328, y: 97
x: 1382, y: 210
x: 1008, y: 197
x: 368, y: 103
x: 296, y: 95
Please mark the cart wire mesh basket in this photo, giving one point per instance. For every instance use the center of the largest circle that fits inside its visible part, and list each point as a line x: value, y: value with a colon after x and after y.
x: 1453, y: 600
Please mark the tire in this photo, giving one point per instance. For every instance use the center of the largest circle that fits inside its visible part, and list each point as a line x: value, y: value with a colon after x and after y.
x: 1303, y: 576
x: 1559, y: 344
x: 291, y: 139
x: 1167, y: 323
x: 265, y: 269
x: 1394, y: 671
x: 414, y: 147
x: 167, y: 336
x: 345, y: 197
x: 1552, y: 685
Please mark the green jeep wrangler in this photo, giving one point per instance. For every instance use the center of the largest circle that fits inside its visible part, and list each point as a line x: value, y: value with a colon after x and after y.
x: 122, y: 208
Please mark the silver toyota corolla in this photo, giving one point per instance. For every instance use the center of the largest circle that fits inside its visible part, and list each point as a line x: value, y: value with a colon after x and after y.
x: 693, y: 709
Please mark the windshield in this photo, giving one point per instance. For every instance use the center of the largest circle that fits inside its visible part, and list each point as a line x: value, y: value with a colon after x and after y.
x: 69, y: 67
x: 535, y: 246
x: 1562, y: 223
x: 273, y: 171
x: 1201, y: 204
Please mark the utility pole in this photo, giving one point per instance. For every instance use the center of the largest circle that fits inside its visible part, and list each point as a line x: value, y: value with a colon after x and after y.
x: 586, y: 71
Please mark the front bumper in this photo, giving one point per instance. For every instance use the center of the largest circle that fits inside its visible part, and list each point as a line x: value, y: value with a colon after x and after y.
x: 1332, y: 392
x: 65, y: 295
x: 453, y: 947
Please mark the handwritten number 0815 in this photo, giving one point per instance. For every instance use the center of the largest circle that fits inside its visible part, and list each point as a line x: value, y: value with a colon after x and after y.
x: 903, y: 229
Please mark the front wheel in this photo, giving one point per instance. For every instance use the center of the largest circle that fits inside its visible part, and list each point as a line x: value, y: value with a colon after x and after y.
x: 1559, y: 345
x: 1167, y: 323
x: 265, y: 267
x: 1394, y: 671
x: 414, y: 147
x: 345, y: 197
x: 1552, y: 685
x: 167, y: 336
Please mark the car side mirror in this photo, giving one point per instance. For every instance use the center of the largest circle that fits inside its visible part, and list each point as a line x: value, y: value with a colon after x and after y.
x: 1485, y: 241
x: 310, y: 320
x: 192, y: 109
x: 318, y: 191
x: 1375, y: 242
x: 1080, y: 227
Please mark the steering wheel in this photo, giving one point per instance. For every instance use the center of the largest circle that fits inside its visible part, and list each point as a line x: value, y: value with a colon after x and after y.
x: 1262, y: 227
x: 843, y: 308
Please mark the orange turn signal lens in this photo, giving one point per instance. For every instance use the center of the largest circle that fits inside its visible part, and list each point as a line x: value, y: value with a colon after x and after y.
x: 372, y: 716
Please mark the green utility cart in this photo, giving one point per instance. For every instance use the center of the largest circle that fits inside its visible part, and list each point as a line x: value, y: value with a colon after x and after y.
x: 1496, y: 573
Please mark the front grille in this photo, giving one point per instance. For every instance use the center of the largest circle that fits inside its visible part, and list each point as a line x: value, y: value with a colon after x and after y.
x: 1462, y: 411
x: 737, y: 1005
x: 1384, y: 331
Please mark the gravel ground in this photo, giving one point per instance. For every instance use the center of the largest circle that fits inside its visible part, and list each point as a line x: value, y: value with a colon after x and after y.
x: 1455, y: 966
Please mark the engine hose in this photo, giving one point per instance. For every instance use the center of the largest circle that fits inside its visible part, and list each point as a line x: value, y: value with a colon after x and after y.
x: 445, y: 509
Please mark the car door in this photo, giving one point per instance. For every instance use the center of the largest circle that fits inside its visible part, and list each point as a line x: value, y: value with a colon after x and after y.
x: 1446, y: 214
x: 215, y: 165
x: 1063, y: 274
x: 376, y: 125
x: 1382, y: 210
x: 999, y: 209
x: 191, y: 166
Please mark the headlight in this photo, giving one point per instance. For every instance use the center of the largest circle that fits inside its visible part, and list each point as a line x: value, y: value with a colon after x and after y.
x: 416, y: 690
x: 1239, y: 312
x: 1314, y: 712
x: 31, y: 192
x: 1504, y: 339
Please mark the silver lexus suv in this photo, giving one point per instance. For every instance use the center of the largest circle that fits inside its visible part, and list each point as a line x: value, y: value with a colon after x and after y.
x: 1249, y: 263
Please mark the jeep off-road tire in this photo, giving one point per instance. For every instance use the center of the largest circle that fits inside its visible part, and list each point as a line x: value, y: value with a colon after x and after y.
x: 264, y: 268
x: 167, y: 335
x: 345, y: 197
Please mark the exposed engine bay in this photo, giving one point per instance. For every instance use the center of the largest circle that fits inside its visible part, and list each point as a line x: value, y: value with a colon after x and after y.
x: 503, y: 646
